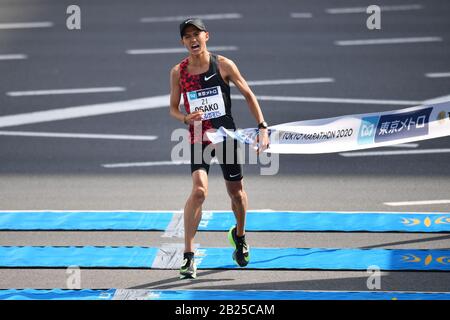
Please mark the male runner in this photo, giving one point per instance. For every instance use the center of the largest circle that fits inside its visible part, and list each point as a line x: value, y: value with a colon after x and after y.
x: 203, y: 80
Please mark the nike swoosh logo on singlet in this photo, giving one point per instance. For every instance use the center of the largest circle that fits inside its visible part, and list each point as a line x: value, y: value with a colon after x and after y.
x: 207, y: 78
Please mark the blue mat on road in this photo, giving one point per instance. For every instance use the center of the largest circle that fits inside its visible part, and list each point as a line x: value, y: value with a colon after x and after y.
x: 84, y: 220
x: 56, y: 294
x: 222, y: 220
x: 331, y: 221
x: 220, y: 258
x: 90, y: 294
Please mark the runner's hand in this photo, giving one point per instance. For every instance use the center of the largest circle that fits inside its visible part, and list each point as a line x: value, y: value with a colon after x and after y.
x: 263, y: 140
x: 192, y: 117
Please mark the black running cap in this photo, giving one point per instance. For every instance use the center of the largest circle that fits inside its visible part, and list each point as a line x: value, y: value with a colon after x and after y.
x: 196, y: 22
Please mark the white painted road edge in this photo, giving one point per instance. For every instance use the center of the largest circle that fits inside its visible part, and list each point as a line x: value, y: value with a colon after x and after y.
x: 26, y: 25
x: 152, y: 164
x: 177, y: 50
x: 146, y: 164
x: 64, y: 91
x: 332, y: 100
x: 438, y: 75
x: 76, y: 135
x: 287, y: 81
x: 405, y: 7
x: 405, y: 145
x: 417, y: 203
x: 301, y: 15
x: 393, y: 153
x: 179, y: 19
x: 364, y: 42
x: 84, y: 111
x: 16, y: 56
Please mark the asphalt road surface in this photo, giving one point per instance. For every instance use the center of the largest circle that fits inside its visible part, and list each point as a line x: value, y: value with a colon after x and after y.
x: 57, y: 159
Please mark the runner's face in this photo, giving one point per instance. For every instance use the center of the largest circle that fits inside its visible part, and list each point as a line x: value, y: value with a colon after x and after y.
x: 195, y: 40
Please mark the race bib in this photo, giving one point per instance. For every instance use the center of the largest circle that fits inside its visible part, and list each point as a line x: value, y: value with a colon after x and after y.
x: 209, y: 100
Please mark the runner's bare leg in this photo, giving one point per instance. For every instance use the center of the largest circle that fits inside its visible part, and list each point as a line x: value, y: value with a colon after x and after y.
x: 193, y: 208
x: 239, y: 203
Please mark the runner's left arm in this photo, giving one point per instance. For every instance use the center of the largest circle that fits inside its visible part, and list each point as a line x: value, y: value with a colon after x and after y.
x: 233, y: 74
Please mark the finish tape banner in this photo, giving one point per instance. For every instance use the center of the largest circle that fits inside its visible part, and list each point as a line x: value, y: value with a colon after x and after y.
x: 352, y: 132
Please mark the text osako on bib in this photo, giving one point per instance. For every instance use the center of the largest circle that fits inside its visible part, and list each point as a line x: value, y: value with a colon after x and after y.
x: 208, y: 100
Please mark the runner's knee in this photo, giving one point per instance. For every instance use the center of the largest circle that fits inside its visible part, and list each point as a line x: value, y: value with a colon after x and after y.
x: 237, y: 195
x: 199, y: 194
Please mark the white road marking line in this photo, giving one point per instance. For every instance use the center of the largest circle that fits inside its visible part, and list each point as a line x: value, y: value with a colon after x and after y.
x: 150, y: 164
x: 13, y: 56
x: 437, y: 100
x: 177, y: 50
x: 84, y: 111
x: 416, y: 203
x: 146, y: 164
x: 214, y: 16
x: 288, y: 81
x: 64, y: 91
x: 301, y: 15
x: 383, y: 8
x: 76, y: 135
x: 392, y: 153
x: 438, y: 75
x: 365, y: 42
x: 163, y: 102
x: 331, y: 100
x: 405, y: 145
x: 25, y: 25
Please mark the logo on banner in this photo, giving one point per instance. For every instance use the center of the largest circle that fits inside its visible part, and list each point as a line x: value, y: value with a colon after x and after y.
x: 203, y: 93
x: 403, y: 125
x: 426, y: 261
x: 206, y: 218
x: 200, y: 254
x: 193, y: 95
x: 367, y: 130
x: 247, y: 136
x: 442, y: 117
x: 428, y: 222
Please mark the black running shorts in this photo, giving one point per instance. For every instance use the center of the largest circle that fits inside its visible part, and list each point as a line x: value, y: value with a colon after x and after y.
x: 227, y: 154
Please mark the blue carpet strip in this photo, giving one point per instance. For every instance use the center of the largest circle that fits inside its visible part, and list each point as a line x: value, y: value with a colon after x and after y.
x: 220, y: 258
x: 89, y: 294
x: 222, y: 220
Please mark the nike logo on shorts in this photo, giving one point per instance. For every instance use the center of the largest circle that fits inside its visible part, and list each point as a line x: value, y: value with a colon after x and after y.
x: 207, y: 78
x: 234, y: 175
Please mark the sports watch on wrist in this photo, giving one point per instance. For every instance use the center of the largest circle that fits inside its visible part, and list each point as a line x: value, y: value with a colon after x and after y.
x: 263, y: 125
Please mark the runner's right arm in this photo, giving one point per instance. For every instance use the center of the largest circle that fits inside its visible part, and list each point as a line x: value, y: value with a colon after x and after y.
x: 175, y: 95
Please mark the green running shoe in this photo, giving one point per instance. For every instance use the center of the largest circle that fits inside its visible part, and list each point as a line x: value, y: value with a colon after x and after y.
x: 188, y: 269
x: 241, y: 254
